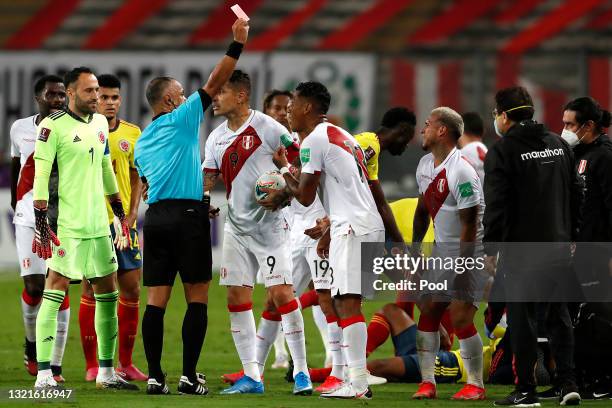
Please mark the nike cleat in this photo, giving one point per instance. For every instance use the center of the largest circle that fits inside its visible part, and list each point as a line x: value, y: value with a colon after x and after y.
x: 470, y: 392
x: 348, y: 392
x: 131, y: 373
x: 302, y: 385
x: 426, y: 390
x: 330, y: 384
x: 520, y: 399
x: 232, y: 378
x: 245, y: 385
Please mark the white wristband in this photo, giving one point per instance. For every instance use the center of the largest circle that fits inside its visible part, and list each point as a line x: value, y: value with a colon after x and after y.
x: 284, y: 170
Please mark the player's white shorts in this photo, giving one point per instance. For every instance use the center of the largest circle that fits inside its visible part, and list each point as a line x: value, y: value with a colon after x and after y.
x: 29, y: 263
x: 345, y: 257
x: 246, y: 255
x: 308, y: 266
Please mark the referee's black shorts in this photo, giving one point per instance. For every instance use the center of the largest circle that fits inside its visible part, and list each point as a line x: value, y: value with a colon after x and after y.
x: 177, y: 239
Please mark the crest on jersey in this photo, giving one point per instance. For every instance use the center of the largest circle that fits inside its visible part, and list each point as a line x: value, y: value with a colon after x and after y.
x: 26, y: 263
x: 124, y: 145
x: 248, y: 141
x: 43, y: 136
x: 101, y: 137
x: 61, y: 252
x: 582, y: 166
x: 441, y: 185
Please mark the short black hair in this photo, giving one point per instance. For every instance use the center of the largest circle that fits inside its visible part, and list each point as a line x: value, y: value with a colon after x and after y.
x: 241, y: 79
x: 397, y: 116
x: 586, y: 109
x: 473, y: 124
x: 273, y: 94
x: 41, y: 82
x: 156, y: 89
x: 317, y: 93
x: 109, y: 81
x: 73, y: 75
x: 514, y: 97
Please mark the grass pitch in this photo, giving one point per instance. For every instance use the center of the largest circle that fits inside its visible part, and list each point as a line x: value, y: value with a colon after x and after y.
x: 218, y: 357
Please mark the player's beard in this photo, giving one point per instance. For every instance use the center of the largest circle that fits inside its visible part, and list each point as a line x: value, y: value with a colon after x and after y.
x: 83, y: 106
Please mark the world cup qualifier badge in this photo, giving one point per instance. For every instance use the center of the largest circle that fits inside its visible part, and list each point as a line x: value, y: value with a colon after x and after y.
x: 43, y: 136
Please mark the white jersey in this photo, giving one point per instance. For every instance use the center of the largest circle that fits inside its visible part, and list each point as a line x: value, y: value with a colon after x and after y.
x: 23, y: 138
x: 448, y: 188
x: 343, y: 188
x: 301, y: 218
x: 242, y: 156
x: 476, y: 152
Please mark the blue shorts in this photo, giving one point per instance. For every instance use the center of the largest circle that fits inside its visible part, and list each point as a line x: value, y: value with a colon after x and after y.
x: 405, y: 348
x: 130, y: 258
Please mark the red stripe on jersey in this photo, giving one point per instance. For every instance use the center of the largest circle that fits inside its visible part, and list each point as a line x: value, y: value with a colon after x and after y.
x: 481, y: 153
x: 26, y: 178
x: 436, y: 193
x: 336, y: 137
x: 237, y: 154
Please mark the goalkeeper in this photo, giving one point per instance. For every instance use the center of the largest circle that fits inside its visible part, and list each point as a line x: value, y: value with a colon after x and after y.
x: 77, y: 138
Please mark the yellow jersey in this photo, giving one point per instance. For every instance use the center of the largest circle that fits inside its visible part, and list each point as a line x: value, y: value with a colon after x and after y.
x: 121, y: 142
x: 403, y: 212
x: 371, y: 148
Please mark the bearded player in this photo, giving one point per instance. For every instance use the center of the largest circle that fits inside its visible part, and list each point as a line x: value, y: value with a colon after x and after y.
x: 451, y: 194
x: 50, y: 96
x: 241, y: 150
x: 121, y: 140
x: 83, y: 249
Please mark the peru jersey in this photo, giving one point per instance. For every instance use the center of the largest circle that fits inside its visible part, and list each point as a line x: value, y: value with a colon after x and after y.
x: 241, y: 157
x: 476, y: 152
x: 343, y: 188
x: 446, y: 189
x: 23, y: 138
x: 301, y: 218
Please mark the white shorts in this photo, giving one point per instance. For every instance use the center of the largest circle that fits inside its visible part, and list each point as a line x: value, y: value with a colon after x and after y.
x: 29, y: 262
x: 345, y: 257
x: 307, y: 266
x: 244, y: 256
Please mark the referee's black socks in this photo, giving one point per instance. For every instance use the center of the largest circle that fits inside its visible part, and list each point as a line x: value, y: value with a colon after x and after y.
x: 153, y: 339
x: 194, y: 331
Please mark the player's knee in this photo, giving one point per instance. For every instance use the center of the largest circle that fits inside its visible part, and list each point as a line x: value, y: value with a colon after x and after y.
x: 282, y: 294
x: 391, y: 311
x: 35, y: 289
x: 132, y: 292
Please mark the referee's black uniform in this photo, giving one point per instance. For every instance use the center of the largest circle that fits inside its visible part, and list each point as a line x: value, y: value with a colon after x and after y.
x: 532, y: 196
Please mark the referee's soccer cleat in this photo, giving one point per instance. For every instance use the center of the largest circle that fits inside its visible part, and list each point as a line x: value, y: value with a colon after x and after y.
x: 302, y: 385
x: 245, y: 385
x: 154, y: 387
x: 348, y: 392
x: 115, y: 382
x: 549, y: 394
x: 197, y: 387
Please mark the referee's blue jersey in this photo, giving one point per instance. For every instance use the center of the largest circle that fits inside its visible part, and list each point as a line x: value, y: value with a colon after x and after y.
x: 167, y: 152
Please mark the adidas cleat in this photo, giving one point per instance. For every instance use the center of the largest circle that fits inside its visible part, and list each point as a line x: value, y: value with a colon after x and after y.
x: 46, y: 382
x: 197, y: 387
x: 154, y: 387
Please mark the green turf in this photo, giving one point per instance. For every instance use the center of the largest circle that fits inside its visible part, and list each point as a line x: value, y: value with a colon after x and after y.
x: 218, y: 357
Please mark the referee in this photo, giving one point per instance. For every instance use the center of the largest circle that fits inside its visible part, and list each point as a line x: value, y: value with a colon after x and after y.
x: 177, y: 228
x: 532, y: 195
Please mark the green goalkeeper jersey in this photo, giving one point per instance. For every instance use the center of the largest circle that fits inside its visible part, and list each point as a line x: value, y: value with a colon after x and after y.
x: 80, y: 147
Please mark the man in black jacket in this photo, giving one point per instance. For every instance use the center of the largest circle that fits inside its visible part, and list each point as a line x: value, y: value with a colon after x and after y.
x: 532, y: 196
x: 584, y: 129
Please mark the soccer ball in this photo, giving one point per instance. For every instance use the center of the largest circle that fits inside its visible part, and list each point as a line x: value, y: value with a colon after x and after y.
x: 270, y: 179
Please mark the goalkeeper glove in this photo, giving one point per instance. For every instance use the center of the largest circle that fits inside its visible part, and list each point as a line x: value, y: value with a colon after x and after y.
x: 122, y: 230
x: 43, y: 235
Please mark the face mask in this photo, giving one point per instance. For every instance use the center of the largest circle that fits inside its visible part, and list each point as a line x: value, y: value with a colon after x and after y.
x: 497, y: 131
x: 571, y: 137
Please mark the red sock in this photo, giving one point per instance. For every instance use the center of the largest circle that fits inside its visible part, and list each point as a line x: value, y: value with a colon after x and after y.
x: 319, y: 374
x: 66, y: 303
x: 407, y: 307
x: 308, y: 299
x: 89, y: 340
x: 448, y: 325
x: 378, y: 332
x: 127, y: 312
x: 31, y: 301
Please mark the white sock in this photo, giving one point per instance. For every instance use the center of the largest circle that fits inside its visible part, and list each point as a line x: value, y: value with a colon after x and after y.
x: 61, y: 335
x: 471, y: 354
x: 355, y: 338
x: 428, y: 344
x: 319, y: 318
x: 243, y: 331
x: 104, y: 373
x: 279, y: 345
x: 267, y: 331
x: 29, y: 319
x: 293, y: 328
x: 335, y: 348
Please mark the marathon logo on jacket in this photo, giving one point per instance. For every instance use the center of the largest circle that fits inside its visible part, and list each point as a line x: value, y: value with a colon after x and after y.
x: 542, y: 154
